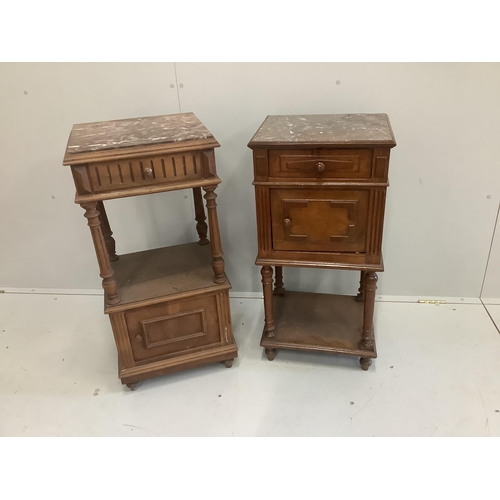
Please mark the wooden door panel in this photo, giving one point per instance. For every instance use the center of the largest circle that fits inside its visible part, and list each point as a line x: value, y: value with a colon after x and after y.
x: 173, y: 327
x: 326, y: 220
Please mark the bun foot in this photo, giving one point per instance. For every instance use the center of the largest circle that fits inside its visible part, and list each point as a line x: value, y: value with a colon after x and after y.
x: 271, y: 354
x: 228, y: 363
x: 133, y: 387
x: 365, y: 363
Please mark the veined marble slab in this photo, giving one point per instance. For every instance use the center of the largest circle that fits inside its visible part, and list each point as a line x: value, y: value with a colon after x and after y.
x: 327, y: 129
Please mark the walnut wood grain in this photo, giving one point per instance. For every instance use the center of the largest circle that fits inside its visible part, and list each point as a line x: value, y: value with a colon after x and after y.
x: 320, y: 187
x: 168, y: 307
x: 317, y: 322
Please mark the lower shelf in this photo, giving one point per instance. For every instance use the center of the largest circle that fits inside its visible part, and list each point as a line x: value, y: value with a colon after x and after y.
x: 318, y: 322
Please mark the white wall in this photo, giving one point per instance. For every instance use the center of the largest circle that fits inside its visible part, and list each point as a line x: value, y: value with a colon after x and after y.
x: 491, y: 287
x: 439, y: 219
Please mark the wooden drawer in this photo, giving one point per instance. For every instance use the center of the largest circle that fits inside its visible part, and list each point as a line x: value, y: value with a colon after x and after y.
x: 174, y: 328
x: 321, y: 220
x: 320, y: 163
x: 129, y: 173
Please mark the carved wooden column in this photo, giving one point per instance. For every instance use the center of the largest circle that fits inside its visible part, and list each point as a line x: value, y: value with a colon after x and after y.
x: 106, y: 271
x: 279, y: 289
x: 361, y: 290
x: 267, y: 286
x: 106, y: 232
x: 201, y: 225
x: 215, y: 242
x: 367, y: 341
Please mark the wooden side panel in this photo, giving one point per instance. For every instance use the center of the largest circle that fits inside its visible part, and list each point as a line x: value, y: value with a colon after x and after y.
x: 81, y: 179
x: 263, y: 207
x: 375, y: 230
x: 208, y: 163
x: 122, y: 340
x: 260, y: 164
x: 380, y: 167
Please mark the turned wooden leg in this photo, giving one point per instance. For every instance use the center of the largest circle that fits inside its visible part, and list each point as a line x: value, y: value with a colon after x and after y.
x: 279, y: 289
x: 106, y: 232
x: 367, y: 341
x: 267, y: 286
x: 361, y: 290
x: 133, y: 387
x: 365, y: 363
x: 215, y: 243
x: 270, y: 353
x: 228, y: 363
x: 106, y: 271
x: 201, y: 225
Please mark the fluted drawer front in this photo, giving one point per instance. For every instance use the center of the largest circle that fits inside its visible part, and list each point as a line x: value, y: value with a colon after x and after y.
x: 320, y: 163
x: 116, y: 175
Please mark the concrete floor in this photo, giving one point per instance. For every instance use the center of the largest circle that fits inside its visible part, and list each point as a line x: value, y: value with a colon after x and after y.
x: 436, y: 375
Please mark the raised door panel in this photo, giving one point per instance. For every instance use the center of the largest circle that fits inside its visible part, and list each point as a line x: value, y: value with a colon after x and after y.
x: 324, y: 220
x: 174, y: 328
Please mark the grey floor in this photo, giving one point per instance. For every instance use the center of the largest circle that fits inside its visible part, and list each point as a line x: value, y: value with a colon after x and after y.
x: 436, y: 375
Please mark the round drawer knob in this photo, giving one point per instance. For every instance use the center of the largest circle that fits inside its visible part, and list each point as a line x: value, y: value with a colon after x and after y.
x: 320, y: 167
x: 287, y: 222
x: 148, y: 172
x: 138, y: 338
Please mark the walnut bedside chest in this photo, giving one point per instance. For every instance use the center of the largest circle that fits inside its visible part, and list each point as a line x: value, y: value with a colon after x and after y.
x: 320, y: 184
x: 168, y: 307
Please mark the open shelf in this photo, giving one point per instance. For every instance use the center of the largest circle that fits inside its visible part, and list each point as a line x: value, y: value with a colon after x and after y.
x: 162, y: 272
x: 318, y: 322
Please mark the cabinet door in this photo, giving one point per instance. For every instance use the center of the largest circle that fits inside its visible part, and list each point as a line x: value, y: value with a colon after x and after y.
x: 321, y: 220
x: 174, y: 328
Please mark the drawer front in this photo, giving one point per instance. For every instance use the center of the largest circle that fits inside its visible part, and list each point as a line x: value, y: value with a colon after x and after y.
x: 175, y: 327
x: 322, y: 220
x: 321, y: 163
x: 122, y: 174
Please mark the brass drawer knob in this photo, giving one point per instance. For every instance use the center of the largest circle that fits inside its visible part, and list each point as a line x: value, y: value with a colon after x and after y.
x: 148, y: 172
x: 287, y: 222
x: 320, y: 167
x: 138, y: 338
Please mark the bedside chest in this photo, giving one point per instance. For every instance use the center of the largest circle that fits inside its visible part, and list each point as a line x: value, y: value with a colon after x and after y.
x: 320, y: 184
x: 168, y: 307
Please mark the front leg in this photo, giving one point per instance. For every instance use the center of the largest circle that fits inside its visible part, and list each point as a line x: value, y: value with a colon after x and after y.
x: 267, y: 286
x: 215, y: 243
x: 367, y: 341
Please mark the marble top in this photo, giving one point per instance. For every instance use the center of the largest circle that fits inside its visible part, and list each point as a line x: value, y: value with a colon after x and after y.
x: 117, y: 134
x: 324, y: 129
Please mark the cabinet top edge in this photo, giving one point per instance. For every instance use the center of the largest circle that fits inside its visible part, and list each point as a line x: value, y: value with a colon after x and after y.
x: 347, y: 130
x: 88, y: 141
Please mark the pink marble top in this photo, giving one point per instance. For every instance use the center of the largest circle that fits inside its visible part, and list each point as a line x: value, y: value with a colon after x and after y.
x: 324, y: 129
x: 117, y: 134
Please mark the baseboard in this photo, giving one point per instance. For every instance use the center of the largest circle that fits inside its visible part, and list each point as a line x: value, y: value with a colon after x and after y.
x: 258, y: 295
